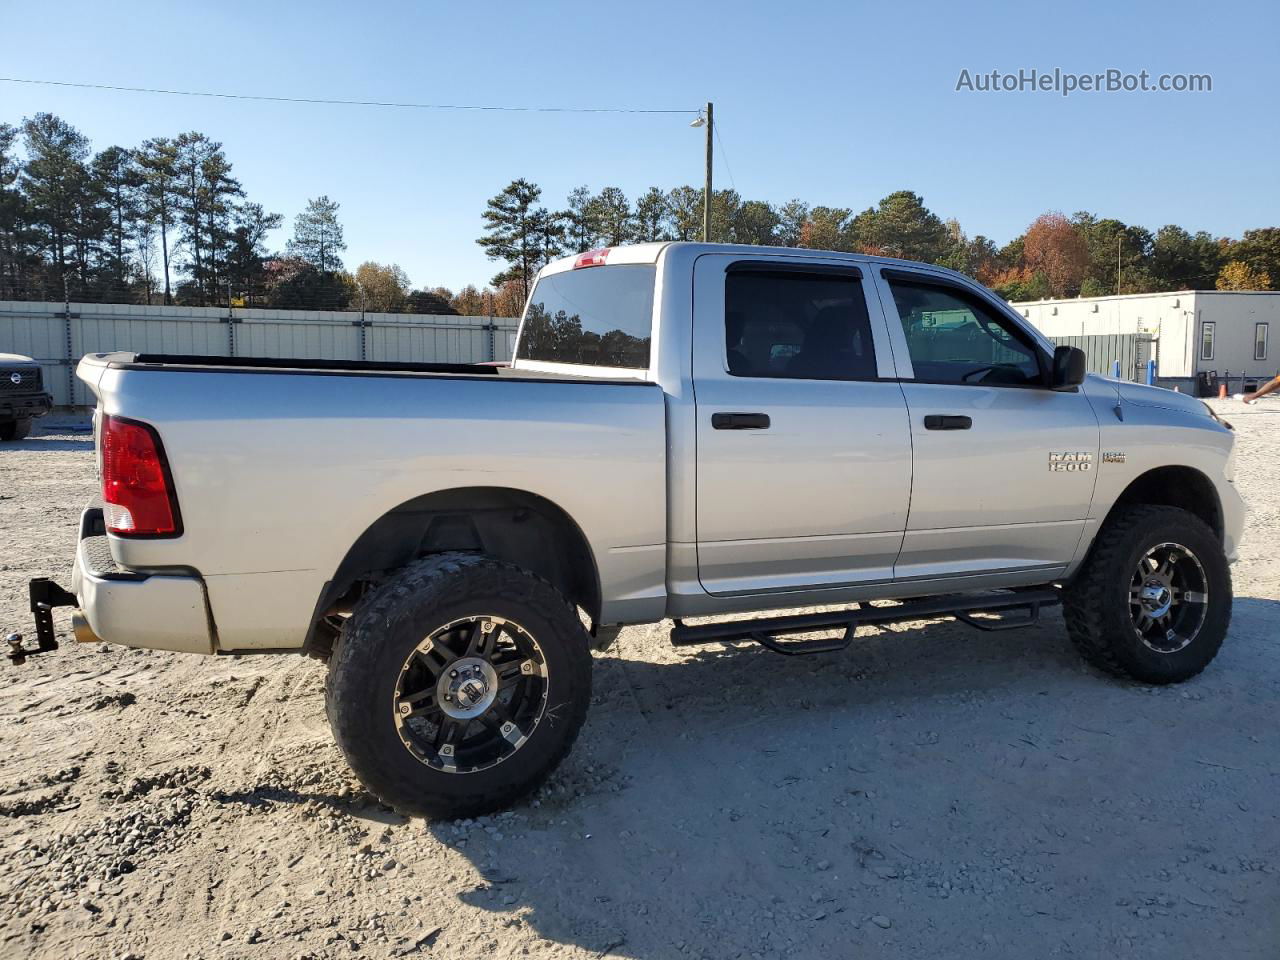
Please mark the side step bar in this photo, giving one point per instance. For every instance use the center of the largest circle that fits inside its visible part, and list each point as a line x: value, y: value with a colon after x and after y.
x: 767, y: 630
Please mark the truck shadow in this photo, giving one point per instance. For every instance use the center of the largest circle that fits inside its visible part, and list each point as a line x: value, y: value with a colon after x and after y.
x: 944, y: 782
x: 71, y: 437
x: 56, y: 444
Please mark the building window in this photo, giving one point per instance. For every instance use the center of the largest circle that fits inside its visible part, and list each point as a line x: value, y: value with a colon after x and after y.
x: 1206, y: 340
x: 1259, y: 341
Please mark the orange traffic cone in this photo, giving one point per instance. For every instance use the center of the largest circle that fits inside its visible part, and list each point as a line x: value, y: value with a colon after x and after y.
x: 1222, y: 391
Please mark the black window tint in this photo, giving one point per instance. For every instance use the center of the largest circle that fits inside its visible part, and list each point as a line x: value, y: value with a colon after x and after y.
x: 953, y: 338
x: 805, y: 326
x: 600, y: 316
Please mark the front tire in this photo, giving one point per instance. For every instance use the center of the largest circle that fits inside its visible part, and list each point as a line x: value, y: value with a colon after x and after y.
x: 458, y: 685
x: 16, y: 429
x: 1152, y: 602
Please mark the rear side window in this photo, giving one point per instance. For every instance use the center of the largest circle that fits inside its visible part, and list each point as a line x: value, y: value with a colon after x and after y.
x: 795, y: 325
x: 600, y: 316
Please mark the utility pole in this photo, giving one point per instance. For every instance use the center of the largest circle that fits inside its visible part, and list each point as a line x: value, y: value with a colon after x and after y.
x: 706, y: 195
x: 1119, y: 240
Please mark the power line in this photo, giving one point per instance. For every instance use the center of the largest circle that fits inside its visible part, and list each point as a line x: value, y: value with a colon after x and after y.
x: 336, y: 102
x: 724, y: 155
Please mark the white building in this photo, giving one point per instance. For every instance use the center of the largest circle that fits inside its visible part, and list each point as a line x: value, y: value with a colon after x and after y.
x: 1191, y: 333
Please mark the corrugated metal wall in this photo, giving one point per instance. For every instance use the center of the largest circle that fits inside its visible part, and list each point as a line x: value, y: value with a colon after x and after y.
x: 1104, y: 349
x: 45, y: 331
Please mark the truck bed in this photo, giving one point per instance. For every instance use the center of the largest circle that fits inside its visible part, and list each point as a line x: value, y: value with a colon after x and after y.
x: 280, y: 466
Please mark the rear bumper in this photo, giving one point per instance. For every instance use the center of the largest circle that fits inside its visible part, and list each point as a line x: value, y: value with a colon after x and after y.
x: 158, y: 612
x: 25, y: 406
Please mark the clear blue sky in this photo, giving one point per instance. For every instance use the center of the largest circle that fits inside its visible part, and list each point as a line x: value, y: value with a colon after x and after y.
x: 837, y: 103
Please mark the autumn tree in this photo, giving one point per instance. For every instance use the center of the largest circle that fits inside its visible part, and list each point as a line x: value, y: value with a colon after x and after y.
x: 383, y: 288
x: 471, y: 302
x: 1238, y: 275
x: 1054, y: 247
x: 509, y: 299
x: 827, y: 228
x: 978, y: 257
x: 1260, y: 249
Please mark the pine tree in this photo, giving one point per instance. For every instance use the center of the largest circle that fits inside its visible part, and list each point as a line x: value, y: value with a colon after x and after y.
x: 581, y: 229
x: 157, y: 159
x: 611, y: 212
x: 19, y: 256
x: 55, y: 182
x: 317, y: 235
x: 652, y: 215
x: 247, y: 249
x: 117, y: 181
x: 519, y: 233
x: 205, y: 202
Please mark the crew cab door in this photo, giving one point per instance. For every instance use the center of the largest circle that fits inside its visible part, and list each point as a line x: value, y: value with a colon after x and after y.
x: 1004, y: 467
x: 803, y: 450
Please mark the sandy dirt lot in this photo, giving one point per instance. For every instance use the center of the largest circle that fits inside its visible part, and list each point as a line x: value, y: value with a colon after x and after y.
x: 931, y: 792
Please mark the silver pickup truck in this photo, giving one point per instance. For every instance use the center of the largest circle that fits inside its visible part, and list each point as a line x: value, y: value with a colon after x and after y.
x: 686, y: 430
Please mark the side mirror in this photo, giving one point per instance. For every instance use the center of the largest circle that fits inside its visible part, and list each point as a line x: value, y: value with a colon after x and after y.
x: 1069, y: 368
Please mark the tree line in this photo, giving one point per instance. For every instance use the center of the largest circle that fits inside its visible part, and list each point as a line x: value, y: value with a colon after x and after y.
x: 1057, y: 256
x: 167, y: 222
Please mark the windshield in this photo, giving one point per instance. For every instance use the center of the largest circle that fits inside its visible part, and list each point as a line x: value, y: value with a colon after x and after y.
x: 599, y: 316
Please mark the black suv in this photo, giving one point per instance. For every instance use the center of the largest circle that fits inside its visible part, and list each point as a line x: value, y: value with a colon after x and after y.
x: 22, y: 395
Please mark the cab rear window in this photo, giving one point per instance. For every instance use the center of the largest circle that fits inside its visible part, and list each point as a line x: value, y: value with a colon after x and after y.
x: 599, y: 316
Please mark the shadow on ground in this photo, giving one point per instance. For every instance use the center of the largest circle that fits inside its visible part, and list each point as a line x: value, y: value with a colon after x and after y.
x: 54, y: 438
x: 927, y: 792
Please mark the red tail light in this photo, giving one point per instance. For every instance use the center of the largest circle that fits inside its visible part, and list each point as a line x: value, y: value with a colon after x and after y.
x: 137, y: 490
x: 593, y: 258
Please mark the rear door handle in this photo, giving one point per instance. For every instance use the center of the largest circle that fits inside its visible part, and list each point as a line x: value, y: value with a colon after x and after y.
x: 740, y: 421
x: 947, y: 421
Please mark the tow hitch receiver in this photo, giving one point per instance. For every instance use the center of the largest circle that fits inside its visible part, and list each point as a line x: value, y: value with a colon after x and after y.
x: 45, y: 595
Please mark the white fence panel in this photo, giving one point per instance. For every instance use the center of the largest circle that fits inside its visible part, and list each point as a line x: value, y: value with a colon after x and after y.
x: 297, y: 340
x: 44, y: 331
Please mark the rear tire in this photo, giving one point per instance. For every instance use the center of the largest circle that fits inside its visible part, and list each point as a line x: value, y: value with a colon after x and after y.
x: 1152, y: 602
x: 458, y: 685
x: 16, y: 429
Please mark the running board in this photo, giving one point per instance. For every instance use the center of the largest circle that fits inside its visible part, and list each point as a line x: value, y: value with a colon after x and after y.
x: 767, y: 630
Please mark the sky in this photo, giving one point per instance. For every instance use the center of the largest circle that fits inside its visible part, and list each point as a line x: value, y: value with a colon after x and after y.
x: 836, y: 103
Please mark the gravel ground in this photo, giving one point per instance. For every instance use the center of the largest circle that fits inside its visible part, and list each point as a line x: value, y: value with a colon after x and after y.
x: 932, y: 791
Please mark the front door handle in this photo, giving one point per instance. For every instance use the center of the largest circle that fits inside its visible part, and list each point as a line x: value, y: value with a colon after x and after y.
x: 940, y: 421
x: 740, y: 421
